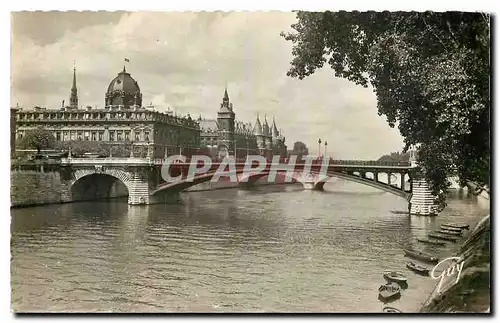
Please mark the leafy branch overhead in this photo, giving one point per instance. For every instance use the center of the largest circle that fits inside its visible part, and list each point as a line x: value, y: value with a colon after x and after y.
x: 429, y: 71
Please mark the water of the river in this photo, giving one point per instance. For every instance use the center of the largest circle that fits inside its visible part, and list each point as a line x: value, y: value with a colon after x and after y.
x: 272, y: 249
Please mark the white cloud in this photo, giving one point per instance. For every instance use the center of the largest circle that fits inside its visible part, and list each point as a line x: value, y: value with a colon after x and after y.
x: 183, y: 60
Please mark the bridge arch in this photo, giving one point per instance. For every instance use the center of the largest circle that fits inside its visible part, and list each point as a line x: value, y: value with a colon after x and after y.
x: 99, y: 184
x: 365, y: 181
x: 318, y: 182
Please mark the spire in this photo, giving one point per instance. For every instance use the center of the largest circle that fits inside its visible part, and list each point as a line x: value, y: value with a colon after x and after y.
x: 226, y: 106
x: 74, y: 75
x: 265, y: 127
x: 73, y: 99
x: 257, y: 129
x: 275, y: 129
x: 225, y: 99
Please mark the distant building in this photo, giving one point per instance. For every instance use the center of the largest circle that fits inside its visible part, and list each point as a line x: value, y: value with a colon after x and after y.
x: 124, y: 121
x: 13, y: 112
x: 226, y: 136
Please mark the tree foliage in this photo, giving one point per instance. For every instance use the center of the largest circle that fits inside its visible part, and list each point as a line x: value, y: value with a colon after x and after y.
x: 80, y: 147
x: 37, y: 139
x: 300, y: 149
x: 430, y: 72
x: 395, y: 157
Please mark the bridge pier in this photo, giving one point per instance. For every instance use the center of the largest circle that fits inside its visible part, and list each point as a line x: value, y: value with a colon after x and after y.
x: 170, y: 198
x: 422, y: 201
x: 138, y: 191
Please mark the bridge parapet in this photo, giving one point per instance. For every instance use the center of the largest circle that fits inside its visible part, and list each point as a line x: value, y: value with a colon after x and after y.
x: 108, y: 161
x: 160, y: 161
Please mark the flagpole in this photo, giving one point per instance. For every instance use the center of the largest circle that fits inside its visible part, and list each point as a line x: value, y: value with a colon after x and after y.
x: 125, y: 61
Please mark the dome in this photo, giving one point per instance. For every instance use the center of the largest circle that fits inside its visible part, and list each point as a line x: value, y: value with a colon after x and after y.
x: 123, y: 91
x: 124, y: 82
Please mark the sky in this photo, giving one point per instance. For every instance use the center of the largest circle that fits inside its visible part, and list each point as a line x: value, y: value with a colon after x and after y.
x: 184, y: 61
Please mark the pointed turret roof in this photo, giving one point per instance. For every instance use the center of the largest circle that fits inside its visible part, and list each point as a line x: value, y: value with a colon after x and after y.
x: 226, y: 106
x: 257, y: 129
x: 265, y: 127
x: 275, y: 129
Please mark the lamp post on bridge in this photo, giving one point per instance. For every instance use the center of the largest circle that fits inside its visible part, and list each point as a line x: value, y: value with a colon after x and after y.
x: 326, y: 144
x: 319, y: 147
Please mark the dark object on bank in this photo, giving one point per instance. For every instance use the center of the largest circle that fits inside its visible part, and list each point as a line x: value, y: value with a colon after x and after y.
x: 453, y: 233
x: 457, y: 225
x: 433, y: 242
x: 421, y: 256
x: 394, y: 276
x: 389, y: 291
x: 417, y: 268
x: 442, y: 237
x: 389, y: 309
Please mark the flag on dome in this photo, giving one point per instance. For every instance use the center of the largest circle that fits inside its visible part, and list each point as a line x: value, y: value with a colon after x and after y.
x: 127, y: 60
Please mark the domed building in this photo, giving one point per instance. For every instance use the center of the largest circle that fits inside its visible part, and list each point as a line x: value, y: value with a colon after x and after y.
x: 124, y: 126
x: 128, y: 129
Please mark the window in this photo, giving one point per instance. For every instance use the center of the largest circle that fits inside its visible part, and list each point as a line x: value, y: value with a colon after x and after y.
x: 111, y: 136
x: 79, y: 135
x: 20, y: 135
x: 146, y: 135
x: 94, y: 136
x: 65, y: 135
x: 137, y: 135
x: 127, y: 135
x: 58, y: 136
x: 72, y: 135
x: 87, y: 135
x: 119, y: 135
x: 101, y: 135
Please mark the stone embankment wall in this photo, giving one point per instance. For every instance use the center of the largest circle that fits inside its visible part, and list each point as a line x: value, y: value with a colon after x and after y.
x: 35, y: 188
x: 28, y: 188
x: 472, y: 291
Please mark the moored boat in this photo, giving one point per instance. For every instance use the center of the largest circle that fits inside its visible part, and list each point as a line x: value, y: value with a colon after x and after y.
x: 389, y: 309
x: 417, y: 268
x: 420, y: 255
x: 394, y: 276
x: 445, y: 227
x: 453, y: 233
x: 442, y: 237
x: 389, y: 291
x: 434, y: 242
x: 457, y: 225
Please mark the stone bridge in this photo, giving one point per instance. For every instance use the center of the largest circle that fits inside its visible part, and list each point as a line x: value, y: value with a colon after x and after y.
x: 141, y: 178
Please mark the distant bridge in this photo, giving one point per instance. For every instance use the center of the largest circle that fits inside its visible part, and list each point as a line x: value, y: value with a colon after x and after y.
x: 142, y: 180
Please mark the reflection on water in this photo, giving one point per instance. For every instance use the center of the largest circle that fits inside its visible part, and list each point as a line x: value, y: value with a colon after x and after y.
x: 276, y: 248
